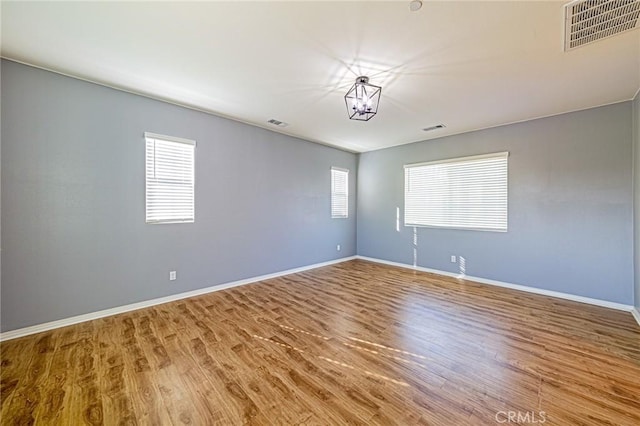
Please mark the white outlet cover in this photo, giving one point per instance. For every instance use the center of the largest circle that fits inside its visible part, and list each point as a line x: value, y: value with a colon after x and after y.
x: 172, y: 275
x: 453, y: 259
x: 338, y: 247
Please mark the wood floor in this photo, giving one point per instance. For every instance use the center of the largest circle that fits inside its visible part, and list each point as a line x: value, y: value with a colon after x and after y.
x: 353, y: 343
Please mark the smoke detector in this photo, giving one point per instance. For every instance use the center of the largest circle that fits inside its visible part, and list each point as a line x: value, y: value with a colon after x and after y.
x: 587, y: 21
x: 415, y: 5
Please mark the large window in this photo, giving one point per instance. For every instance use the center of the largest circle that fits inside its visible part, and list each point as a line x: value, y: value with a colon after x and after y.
x: 339, y: 193
x: 463, y: 193
x: 169, y: 179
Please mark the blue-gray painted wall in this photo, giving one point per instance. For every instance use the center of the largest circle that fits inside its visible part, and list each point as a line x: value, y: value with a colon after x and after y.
x: 74, y: 238
x: 570, y: 205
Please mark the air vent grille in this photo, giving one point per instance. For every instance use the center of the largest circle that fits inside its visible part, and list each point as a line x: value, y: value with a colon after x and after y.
x: 587, y: 21
x: 277, y: 123
x: 436, y: 127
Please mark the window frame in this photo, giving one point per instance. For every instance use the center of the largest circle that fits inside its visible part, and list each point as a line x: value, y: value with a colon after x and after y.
x: 174, y: 140
x: 461, y: 160
x: 335, y: 193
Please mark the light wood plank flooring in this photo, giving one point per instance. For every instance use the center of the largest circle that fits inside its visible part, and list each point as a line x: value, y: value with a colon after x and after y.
x: 353, y: 343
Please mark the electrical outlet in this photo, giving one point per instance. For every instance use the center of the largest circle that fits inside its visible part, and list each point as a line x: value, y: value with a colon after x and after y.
x: 172, y: 275
x: 453, y: 259
x: 338, y: 247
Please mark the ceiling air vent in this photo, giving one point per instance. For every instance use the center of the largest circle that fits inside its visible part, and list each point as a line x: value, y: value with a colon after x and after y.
x: 277, y: 123
x: 587, y: 21
x: 436, y: 127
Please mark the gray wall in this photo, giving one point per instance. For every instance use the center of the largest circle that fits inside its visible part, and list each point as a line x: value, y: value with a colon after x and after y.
x: 570, y: 205
x: 74, y: 236
x: 636, y: 197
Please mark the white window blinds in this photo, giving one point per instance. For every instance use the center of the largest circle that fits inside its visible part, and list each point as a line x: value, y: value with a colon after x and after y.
x: 339, y: 193
x: 464, y: 193
x: 169, y: 179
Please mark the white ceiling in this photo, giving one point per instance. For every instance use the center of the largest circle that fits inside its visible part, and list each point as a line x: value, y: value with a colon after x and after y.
x: 468, y: 65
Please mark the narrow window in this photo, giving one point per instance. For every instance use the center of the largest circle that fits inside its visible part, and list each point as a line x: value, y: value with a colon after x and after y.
x: 169, y: 179
x: 339, y: 193
x: 461, y: 193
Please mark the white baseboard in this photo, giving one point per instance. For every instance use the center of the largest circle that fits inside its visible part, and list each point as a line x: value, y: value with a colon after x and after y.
x: 636, y: 314
x: 38, y: 328
x: 567, y: 296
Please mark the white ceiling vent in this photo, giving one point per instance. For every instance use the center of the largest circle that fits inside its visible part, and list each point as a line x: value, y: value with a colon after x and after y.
x: 587, y: 21
x: 436, y: 127
x: 277, y: 123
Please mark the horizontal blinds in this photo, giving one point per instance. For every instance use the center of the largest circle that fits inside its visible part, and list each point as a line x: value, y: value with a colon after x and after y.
x: 467, y: 193
x: 169, y: 180
x: 339, y: 193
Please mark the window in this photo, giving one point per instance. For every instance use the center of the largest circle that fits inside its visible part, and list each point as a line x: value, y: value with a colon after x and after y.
x: 339, y: 193
x: 169, y: 179
x: 463, y: 193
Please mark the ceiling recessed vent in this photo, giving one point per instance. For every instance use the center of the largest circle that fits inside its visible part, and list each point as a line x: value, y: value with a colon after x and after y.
x: 277, y: 123
x: 587, y: 21
x: 436, y: 127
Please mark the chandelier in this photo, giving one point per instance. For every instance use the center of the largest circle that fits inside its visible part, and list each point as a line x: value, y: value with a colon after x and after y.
x: 362, y: 99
